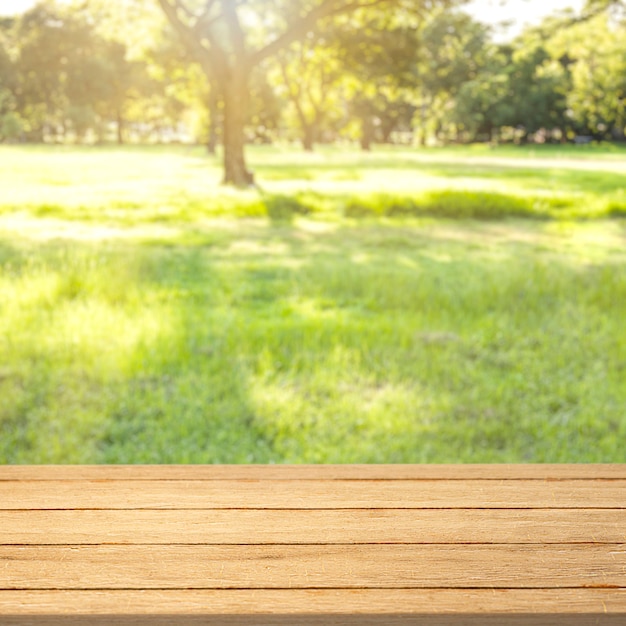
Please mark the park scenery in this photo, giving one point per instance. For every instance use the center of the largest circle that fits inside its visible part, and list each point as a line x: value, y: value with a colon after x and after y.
x: 311, y: 231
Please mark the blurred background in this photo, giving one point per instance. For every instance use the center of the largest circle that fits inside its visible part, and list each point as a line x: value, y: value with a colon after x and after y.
x: 317, y: 231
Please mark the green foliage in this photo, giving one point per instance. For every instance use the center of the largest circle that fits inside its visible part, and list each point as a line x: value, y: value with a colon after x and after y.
x: 11, y: 126
x: 308, y: 77
x: 95, y: 71
x: 71, y: 80
x: 597, y: 93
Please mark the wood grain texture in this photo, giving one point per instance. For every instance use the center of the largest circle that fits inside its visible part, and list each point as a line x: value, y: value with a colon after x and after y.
x: 529, y: 526
x: 500, y: 545
x: 306, y: 567
x: 315, y: 472
x: 311, y: 494
x: 325, y: 601
x: 319, y: 619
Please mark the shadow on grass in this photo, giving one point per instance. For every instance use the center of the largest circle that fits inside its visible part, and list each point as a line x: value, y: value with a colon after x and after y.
x: 186, y: 399
x: 140, y: 371
x: 356, y: 344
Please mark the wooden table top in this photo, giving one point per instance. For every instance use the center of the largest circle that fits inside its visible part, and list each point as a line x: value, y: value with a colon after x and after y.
x: 356, y: 544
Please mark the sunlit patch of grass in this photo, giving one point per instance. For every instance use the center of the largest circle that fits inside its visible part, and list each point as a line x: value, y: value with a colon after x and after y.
x: 131, y: 187
x: 71, y: 329
x: 299, y: 419
x: 158, y: 317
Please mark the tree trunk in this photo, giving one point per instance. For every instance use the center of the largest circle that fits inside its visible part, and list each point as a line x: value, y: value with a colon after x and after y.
x: 211, y: 145
x: 438, y: 130
x: 367, y: 133
x: 308, y: 131
x: 235, y: 91
x: 619, y: 124
x: 120, y: 128
x: 387, y: 128
x: 421, y: 138
x: 307, y: 139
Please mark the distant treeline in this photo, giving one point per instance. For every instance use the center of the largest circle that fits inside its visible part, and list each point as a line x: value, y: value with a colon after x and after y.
x: 92, y: 72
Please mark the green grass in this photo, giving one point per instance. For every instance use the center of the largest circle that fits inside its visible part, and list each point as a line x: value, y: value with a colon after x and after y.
x: 146, y: 320
x: 138, y: 186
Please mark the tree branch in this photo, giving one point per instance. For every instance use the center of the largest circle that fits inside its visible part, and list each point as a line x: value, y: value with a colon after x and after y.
x: 203, y: 24
x: 229, y: 11
x: 293, y: 87
x: 179, y: 6
x: 303, y: 25
x: 209, y: 58
x: 185, y: 32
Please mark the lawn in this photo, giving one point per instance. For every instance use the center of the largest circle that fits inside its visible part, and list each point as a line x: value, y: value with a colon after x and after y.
x: 149, y: 315
x: 130, y: 186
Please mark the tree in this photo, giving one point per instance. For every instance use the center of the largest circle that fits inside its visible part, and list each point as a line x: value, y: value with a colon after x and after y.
x: 453, y: 51
x: 538, y: 86
x: 379, y: 54
x: 595, y: 54
x: 136, y: 55
x: 308, y: 74
x: 10, y: 121
x: 78, y: 70
x: 483, y: 104
x: 44, y: 47
x: 230, y: 39
x: 69, y: 76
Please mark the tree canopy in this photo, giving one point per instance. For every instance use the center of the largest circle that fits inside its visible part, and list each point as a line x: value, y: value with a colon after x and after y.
x: 217, y: 71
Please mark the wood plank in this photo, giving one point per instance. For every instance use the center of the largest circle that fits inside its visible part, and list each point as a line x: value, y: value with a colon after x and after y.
x: 311, y: 494
x: 569, y: 554
x: 315, y: 472
x: 285, y: 567
x: 302, y: 602
x: 594, y: 619
x: 313, y: 619
x: 312, y: 526
x: 317, y: 619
